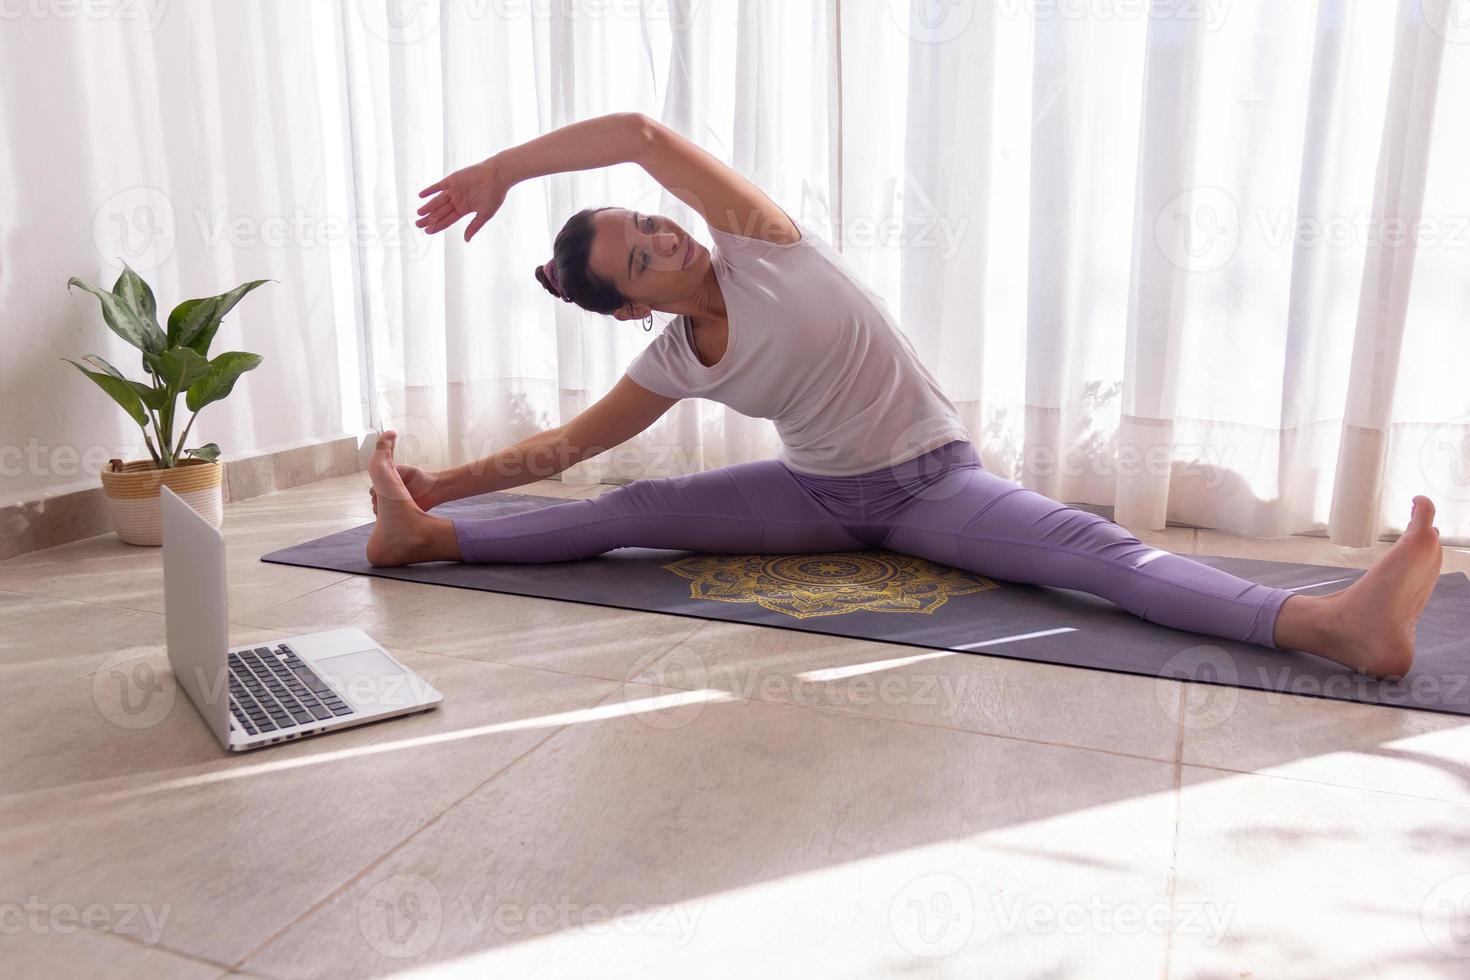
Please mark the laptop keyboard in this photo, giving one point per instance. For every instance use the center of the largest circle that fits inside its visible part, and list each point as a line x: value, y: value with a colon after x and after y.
x: 273, y: 689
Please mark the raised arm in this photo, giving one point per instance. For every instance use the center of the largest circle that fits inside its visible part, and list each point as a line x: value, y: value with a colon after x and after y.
x: 721, y: 195
x: 725, y: 199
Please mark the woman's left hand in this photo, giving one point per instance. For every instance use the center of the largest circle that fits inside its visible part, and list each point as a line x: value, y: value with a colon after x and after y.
x: 479, y: 189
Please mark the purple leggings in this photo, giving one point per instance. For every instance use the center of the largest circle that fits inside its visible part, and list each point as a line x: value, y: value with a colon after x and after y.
x: 942, y: 506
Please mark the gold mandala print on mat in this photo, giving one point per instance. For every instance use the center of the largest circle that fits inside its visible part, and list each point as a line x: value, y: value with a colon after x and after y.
x: 810, y: 585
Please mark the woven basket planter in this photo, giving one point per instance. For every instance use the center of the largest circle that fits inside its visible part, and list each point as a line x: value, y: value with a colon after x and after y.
x: 132, y: 495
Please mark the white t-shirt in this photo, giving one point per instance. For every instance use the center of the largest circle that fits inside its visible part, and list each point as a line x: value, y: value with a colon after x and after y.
x: 815, y: 351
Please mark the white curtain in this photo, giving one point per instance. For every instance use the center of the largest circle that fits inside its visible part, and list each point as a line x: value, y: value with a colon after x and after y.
x: 202, y: 145
x: 1204, y: 261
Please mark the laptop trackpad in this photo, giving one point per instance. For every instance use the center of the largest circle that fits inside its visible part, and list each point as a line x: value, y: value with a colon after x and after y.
x: 367, y: 679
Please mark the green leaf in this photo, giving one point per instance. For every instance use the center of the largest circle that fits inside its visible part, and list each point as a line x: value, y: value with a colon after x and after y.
x: 209, y: 451
x: 180, y: 367
x: 220, y: 380
x: 106, y: 368
x: 132, y: 290
x: 153, y: 397
x: 119, y: 389
x: 194, y: 322
x: 124, y: 321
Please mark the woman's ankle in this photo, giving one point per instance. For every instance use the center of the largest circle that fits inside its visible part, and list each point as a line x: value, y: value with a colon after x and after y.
x: 1305, y: 622
x: 440, y: 542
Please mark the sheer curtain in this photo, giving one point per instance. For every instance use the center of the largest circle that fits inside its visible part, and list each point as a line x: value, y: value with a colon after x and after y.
x: 201, y: 145
x: 1205, y: 262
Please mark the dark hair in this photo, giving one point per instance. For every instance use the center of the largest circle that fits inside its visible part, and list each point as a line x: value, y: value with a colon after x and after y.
x: 571, y: 257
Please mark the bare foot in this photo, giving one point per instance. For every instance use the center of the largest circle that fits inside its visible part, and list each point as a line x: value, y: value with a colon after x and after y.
x: 404, y: 534
x: 1371, y: 622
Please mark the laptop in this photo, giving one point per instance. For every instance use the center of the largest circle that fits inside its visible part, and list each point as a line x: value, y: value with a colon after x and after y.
x: 258, y: 695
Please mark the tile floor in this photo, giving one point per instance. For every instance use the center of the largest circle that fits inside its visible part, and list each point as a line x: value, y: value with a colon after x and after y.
x: 617, y: 793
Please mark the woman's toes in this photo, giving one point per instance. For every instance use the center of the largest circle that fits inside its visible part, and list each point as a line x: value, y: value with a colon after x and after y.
x: 1422, y: 511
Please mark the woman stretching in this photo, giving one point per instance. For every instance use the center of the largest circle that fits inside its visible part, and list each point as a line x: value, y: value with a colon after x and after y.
x: 772, y: 322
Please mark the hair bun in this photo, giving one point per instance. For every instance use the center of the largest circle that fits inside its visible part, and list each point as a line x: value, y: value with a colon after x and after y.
x: 541, y: 278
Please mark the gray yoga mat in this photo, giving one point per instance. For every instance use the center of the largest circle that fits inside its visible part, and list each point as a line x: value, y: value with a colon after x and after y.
x: 894, y: 598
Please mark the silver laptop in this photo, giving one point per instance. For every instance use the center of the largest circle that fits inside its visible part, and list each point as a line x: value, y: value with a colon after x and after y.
x: 266, y: 693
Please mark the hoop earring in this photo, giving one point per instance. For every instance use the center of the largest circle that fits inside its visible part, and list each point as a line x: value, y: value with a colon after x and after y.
x: 648, y: 322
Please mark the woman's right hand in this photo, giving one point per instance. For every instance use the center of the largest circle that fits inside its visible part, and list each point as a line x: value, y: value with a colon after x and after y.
x: 420, y: 482
x: 479, y: 188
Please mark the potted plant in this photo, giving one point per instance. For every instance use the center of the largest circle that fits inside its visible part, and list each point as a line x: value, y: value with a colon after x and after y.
x: 177, y: 363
